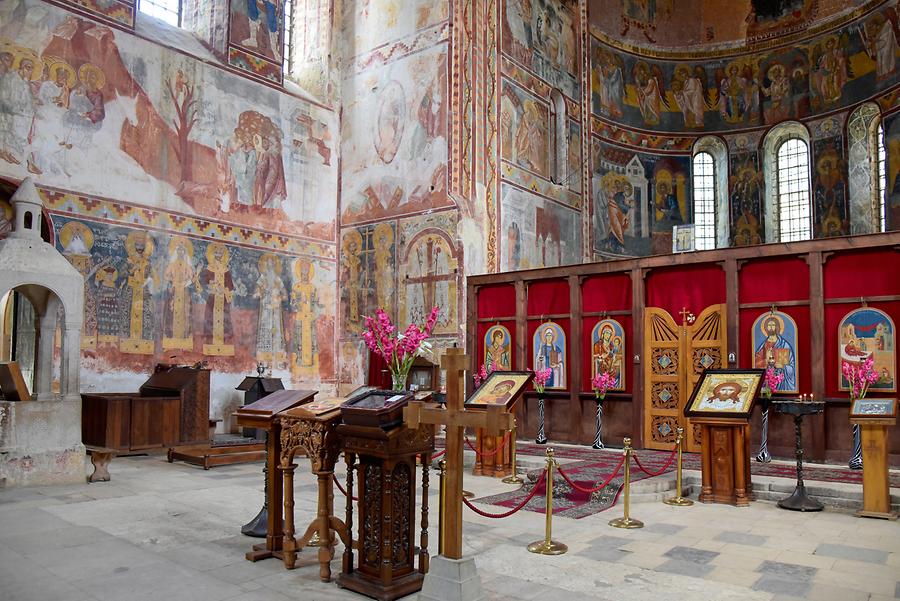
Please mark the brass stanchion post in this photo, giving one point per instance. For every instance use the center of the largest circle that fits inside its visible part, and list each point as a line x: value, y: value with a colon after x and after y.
x: 678, y: 500
x: 442, y: 494
x: 548, y: 546
x: 513, y: 478
x: 626, y: 521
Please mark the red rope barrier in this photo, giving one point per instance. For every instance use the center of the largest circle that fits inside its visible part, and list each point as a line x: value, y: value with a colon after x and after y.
x: 514, y: 509
x: 499, y: 448
x: 438, y: 455
x: 341, y: 488
x: 599, y: 487
x: 660, y: 472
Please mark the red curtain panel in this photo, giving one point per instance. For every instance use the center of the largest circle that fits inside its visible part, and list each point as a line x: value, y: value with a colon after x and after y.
x: 607, y: 292
x: 496, y: 301
x: 774, y: 280
x: 693, y: 287
x: 548, y: 297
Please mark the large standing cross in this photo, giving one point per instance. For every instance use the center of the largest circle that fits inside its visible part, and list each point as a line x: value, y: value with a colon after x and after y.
x: 494, y: 420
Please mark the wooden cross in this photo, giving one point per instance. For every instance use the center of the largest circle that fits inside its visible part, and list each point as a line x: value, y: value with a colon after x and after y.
x: 494, y: 420
x: 684, y: 315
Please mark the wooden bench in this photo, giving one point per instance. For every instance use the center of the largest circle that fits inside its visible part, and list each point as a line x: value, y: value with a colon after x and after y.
x: 100, y: 458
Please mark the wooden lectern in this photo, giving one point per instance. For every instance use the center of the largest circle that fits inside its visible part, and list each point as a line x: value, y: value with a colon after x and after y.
x: 373, y: 432
x: 873, y: 417
x: 720, y: 405
x: 263, y: 415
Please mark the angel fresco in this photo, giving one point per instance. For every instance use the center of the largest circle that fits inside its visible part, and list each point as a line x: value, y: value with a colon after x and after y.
x: 609, y: 83
x: 648, y: 81
x: 879, y: 37
x: 689, y: 89
x: 777, y: 89
x: 830, y: 69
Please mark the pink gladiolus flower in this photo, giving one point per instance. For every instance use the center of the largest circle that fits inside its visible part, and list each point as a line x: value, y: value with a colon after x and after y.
x: 601, y: 383
x: 541, y: 377
x: 772, y: 381
x: 859, y: 376
x: 397, y: 349
x: 481, y: 376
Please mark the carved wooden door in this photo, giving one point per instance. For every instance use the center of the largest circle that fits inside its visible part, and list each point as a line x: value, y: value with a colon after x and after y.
x: 675, y: 356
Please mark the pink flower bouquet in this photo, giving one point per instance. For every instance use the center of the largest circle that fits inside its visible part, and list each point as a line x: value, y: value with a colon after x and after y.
x: 399, y: 350
x: 541, y: 377
x: 771, y: 382
x: 860, y: 376
x: 601, y: 383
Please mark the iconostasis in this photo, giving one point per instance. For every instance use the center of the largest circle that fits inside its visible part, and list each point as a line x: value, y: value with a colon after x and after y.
x: 655, y: 323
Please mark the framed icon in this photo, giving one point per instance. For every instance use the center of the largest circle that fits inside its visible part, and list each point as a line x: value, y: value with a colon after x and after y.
x: 725, y: 393
x: 500, y: 388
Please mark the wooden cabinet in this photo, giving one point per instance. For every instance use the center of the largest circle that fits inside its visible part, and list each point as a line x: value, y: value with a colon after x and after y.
x: 171, y: 409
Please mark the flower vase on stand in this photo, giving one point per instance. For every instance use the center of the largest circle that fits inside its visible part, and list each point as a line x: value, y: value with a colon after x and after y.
x: 398, y: 381
x: 598, y: 442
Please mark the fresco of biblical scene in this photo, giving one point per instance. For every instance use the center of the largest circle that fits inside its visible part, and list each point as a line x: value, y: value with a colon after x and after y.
x: 745, y: 189
x: 537, y: 232
x: 549, y: 347
x: 171, y: 131
x: 573, y: 168
x: 497, y: 349
x: 255, y: 25
x: 395, y: 156
x: 429, y: 271
x: 830, y: 213
x: 524, y: 124
x: 163, y: 297
x: 543, y: 36
x: 368, y: 273
x: 638, y: 198
x: 774, y: 338
x: 608, y: 351
x: 865, y: 333
x: 836, y: 69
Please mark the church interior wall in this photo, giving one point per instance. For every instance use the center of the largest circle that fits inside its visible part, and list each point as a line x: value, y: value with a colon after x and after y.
x: 189, y: 196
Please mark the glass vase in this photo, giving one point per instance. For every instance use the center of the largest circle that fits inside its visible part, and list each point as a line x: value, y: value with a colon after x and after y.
x: 398, y: 381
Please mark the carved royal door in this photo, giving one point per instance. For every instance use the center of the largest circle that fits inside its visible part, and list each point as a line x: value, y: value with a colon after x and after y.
x: 675, y: 356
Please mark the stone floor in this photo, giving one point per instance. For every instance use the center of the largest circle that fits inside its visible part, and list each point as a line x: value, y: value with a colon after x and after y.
x: 171, y: 531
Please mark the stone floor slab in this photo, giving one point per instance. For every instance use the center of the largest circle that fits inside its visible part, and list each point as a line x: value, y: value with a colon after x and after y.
x: 741, y: 538
x: 688, y: 554
x: 854, y: 553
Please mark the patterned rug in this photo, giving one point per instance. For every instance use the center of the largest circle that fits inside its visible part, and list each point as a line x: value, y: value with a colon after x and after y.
x: 592, y: 467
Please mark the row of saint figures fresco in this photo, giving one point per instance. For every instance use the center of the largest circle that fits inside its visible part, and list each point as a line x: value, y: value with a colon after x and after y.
x: 863, y: 333
x: 141, y: 306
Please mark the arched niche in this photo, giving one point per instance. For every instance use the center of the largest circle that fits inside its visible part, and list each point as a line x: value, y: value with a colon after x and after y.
x: 862, y: 132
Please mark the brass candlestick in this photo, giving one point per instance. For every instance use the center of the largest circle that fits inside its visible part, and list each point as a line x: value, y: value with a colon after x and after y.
x: 678, y: 500
x: 548, y: 546
x: 513, y: 478
x: 626, y: 521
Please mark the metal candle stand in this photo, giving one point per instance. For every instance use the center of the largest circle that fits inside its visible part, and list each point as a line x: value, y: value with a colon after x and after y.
x: 799, y: 500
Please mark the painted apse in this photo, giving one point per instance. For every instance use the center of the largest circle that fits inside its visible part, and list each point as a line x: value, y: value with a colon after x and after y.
x: 205, y: 238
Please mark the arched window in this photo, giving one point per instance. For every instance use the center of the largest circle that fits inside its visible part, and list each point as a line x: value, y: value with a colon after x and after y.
x: 794, y: 221
x: 167, y: 10
x: 307, y: 38
x: 704, y: 173
x: 559, y: 138
x: 881, y: 181
x: 865, y: 166
x: 787, y: 212
x: 710, y: 193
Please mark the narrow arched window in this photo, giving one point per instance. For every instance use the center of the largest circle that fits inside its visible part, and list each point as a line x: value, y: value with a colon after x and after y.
x: 793, y: 191
x: 169, y: 11
x: 704, y: 174
x: 559, y: 138
x: 881, y: 180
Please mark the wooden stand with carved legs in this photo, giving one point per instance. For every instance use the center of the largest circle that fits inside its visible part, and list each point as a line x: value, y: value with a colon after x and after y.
x: 317, y: 435
x: 725, y: 460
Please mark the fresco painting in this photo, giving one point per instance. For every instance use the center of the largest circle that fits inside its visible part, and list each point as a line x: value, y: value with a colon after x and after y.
x: 745, y: 191
x: 892, y: 145
x: 537, y: 232
x: 833, y: 70
x: 543, y: 36
x: 368, y: 259
x: 170, y: 131
x: 399, y: 165
x: 375, y: 23
x: 159, y: 296
x: 638, y: 198
x: 524, y: 129
x: 429, y: 265
x: 829, y: 186
x: 255, y: 26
